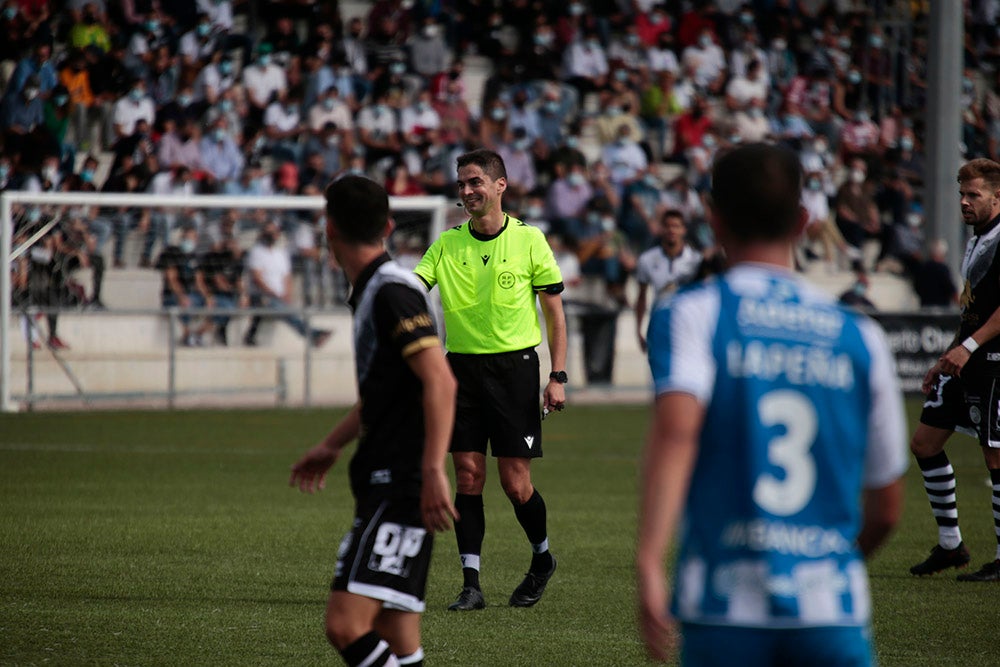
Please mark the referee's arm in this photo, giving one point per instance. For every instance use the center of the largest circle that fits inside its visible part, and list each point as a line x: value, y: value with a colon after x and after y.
x: 555, y: 327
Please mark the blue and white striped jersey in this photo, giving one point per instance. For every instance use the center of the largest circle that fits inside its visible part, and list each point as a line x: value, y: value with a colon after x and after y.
x: 803, y: 411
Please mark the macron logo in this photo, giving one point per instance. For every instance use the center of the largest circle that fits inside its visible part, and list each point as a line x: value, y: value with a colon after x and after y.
x: 529, y: 440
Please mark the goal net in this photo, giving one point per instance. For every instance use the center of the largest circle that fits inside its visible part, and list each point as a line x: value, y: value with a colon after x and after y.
x: 184, y: 300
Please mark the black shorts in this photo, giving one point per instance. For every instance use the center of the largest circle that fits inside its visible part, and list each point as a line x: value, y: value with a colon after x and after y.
x: 971, y: 406
x: 386, y: 555
x: 497, y: 402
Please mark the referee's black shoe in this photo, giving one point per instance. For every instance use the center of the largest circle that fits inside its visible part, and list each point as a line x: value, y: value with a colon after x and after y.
x: 468, y: 600
x: 531, y: 589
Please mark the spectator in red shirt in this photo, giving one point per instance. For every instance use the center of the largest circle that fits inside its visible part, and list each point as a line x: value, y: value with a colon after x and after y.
x: 690, y: 127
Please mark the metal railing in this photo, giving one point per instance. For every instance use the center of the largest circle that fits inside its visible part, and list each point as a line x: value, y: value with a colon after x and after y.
x: 172, y: 390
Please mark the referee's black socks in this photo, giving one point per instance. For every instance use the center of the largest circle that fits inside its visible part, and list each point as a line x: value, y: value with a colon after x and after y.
x: 469, y: 532
x: 531, y: 515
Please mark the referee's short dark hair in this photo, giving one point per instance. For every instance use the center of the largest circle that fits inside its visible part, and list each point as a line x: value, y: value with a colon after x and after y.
x: 489, y: 161
x: 756, y: 191
x: 358, y: 207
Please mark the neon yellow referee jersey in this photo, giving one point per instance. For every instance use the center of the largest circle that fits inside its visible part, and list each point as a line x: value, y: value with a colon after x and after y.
x: 488, y: 286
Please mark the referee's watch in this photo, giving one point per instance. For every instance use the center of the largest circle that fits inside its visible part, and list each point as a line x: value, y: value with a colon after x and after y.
x: 559, y: 376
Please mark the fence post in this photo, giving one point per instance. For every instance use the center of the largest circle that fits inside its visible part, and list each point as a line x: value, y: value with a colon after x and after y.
x: 281, y: 390
x: 307, y: 362
x: 171, y: 356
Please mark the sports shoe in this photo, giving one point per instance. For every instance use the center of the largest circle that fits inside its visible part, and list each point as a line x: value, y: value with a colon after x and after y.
x: 320, y: 336
x: 468, y: 600
x: 942, y: 559
x: 57, y: 344
x: 531, y: 589
x: 988, y: 572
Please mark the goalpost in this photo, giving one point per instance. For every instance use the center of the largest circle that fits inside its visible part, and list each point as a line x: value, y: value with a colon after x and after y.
x: 16, y: 202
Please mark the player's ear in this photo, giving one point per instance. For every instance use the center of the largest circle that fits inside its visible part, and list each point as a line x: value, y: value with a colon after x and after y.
x: 390, y: 227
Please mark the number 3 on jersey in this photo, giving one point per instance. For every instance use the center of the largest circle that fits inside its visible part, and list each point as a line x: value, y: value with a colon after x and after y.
x: 788, y: 451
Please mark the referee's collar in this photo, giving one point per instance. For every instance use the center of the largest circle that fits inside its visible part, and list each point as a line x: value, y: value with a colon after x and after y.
x: 358, y: 288
x: 479, y: 236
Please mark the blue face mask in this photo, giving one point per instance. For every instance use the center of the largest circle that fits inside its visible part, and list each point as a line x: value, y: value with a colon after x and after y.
x: 226, y: 67
x: 187, y: 246
x: 219, y: 134
x: 226, y: 105
x: 204, y: 29
x: 152, y: 26
x: 264, y: 60
x: 135, y: 94
x: 87, y: 175
x: 9, y: 13
x: 572, y: 142
x: 4, y: 172
x: 60, y: 100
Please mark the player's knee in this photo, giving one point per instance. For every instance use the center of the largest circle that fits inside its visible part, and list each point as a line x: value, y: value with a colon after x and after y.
x: 518, y: 489
x: 341, y: 632
x: 469, y: 480
x: 923, y: 448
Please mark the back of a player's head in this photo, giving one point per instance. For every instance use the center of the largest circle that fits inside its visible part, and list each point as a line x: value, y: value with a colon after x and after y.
x: 358, y: 208
x: 489, y: 161
x: 983, y: 168
x: 756, y: 191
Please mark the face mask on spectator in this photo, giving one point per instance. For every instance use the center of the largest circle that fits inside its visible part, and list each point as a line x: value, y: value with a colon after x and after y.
x: 498, y: 114
x: 651, y: 181
x: 704, y: 41
x: 4, y: 172
x: 328, y: 103
x: 204, y: 29
x: 50, y: 173
x: 135, y: 94
x: 187, y: 246
x: 861, y: 117
x: 708, y: 141
x: 522, y: 144
x: 380, y: 109
x: 34, y: 215
x: 264, y: 59
x: 430, y: 31
x: 60, y: 100
x: 152, y: 25
x: 815, y: 183
x: 876, y: 41
x: 572, y: 142
x: 575, y: 9
x: 854, y: 77
x: 9, y: 13
x: 778, y: 45
x: 593, y: 218
x: 533, y: 212
x: 397, y: 68
x: 226, y: 106
x: 552, y: 106
x: 226, y: 67
x: 87, y: 175
x: 756, y: 112
x: 184, y: 100
x: 333, y: 141
x: 819, y: 146
x: 576, y: 179
x: 621, y: 74
x: 543, y: 38
x: 592, y: 44
x: 422, y: 106
x: 608, y: 224
x: 632, y: 39
x: 906, y: 143
x: 857, y: 176
x: 218, y: 134
x: 30, y: 93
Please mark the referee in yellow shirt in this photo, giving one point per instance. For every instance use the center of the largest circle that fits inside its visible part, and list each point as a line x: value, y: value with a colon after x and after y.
x: 488, y: 271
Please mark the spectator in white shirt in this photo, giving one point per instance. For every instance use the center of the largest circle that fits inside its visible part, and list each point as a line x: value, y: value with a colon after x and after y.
x: 624, y: 158
x: 263, y: 80
x: 283, y: 127
x: 707, y: 61
x: 585, y: 65
x: 213, y: 79
x: 742, y: 89
x: 135, y: 105
x: 160, y: 222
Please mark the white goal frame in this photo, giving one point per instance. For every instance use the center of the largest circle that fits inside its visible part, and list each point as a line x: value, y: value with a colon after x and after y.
x: 436, y: 205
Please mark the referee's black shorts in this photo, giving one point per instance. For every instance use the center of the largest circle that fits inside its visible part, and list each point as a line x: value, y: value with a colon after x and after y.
x: 497, y: 402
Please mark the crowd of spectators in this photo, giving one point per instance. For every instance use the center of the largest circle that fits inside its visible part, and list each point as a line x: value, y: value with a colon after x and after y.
x: 608, y: 114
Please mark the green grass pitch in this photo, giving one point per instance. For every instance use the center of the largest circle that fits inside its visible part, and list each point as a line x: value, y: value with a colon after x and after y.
x: 159, y: 538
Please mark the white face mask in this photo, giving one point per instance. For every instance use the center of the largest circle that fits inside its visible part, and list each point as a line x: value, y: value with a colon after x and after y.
x: 857, y: 176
